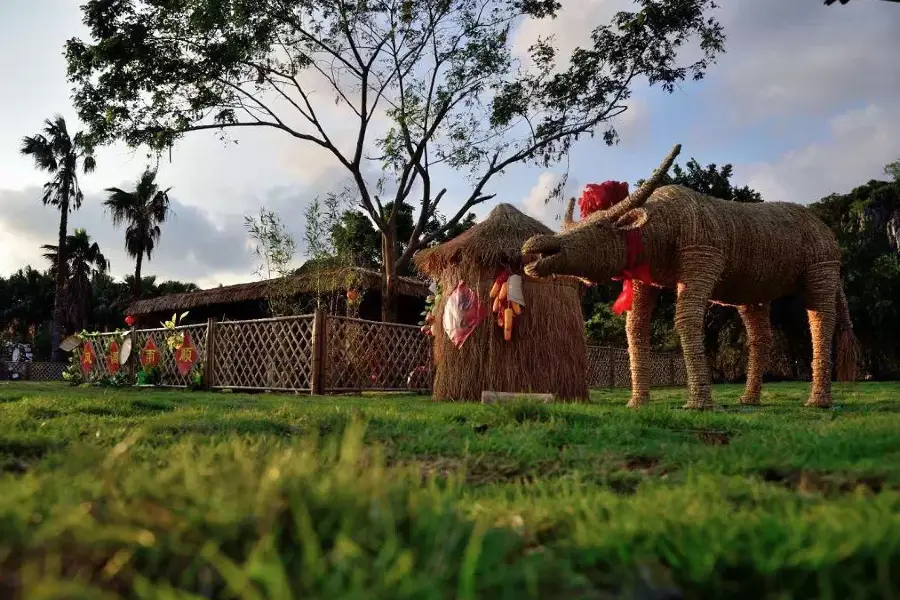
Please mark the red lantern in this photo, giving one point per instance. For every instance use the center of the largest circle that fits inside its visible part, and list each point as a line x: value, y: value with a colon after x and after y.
x: 352, y: 295
x: 129, y: 320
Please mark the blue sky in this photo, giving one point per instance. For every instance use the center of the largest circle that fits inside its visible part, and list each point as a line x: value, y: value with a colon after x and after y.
x: 802, y: 104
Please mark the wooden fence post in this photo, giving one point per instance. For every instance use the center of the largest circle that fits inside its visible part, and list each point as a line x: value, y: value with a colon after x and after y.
x: 209, y: 369
x: 318, y: 353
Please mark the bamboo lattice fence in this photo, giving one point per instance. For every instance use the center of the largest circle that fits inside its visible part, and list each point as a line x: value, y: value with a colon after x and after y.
x: 610, y: 368
x: 168, y: 368
x: 368, y: 355
x: 272, y: 354
x: 321, y: 353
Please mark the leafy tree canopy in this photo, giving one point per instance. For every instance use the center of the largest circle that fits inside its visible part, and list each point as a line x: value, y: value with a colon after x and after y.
x: 357, y: 239
x: 443, y: 72
x: 710, y: 180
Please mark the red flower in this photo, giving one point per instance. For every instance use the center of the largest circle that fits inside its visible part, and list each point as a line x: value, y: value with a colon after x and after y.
x: 601, y: 196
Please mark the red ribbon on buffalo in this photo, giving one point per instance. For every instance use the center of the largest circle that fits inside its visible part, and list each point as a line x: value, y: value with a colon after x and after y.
x: 602, y: 196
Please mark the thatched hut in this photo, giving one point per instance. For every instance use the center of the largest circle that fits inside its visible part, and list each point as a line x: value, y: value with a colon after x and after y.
x: 547, y: 353
x: 250, y: 300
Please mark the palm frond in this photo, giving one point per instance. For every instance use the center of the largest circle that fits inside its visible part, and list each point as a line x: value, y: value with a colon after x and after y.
x: 41, y: 151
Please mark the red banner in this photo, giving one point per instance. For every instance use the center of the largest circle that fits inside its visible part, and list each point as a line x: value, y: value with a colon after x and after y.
x: 149, y: 354
x: 112, y: 359
x: 186, y: 355
x: 88, y: 357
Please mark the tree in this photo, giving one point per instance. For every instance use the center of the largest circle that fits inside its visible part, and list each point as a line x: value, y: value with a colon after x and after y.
x: 61, y: 155
x: 444, y: 75
x: 893, y: 170
x: 275, y: 247
x: 143, y: 210
x: 26, y: 297
x: 866, y: 222
x: 175, y: 287
x: 84, y: 262
x: 356, y: 237
x: 712, y: 181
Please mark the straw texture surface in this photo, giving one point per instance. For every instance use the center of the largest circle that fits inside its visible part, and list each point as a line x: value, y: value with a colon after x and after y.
x: 547, y: 353
x: 708, y: 249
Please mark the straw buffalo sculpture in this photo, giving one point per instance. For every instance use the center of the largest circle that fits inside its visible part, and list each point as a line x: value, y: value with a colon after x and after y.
x: 708, y: 249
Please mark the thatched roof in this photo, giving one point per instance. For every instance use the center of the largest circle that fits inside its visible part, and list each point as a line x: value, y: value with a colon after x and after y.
x: 305, y: 282
x: 495, y: 241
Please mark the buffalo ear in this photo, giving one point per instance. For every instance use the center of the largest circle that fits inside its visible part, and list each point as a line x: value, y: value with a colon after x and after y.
x: 633, y: 219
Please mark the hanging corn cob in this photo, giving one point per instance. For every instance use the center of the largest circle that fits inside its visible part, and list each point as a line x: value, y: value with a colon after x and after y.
x: 429, y: 323
x: 508, y: 301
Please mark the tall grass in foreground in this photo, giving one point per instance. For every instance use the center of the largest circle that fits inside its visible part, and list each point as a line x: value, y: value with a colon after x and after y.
x: 254, y: 514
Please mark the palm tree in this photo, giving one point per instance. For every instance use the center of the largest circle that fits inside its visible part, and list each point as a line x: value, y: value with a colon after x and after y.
x: 54, y: 151
x: 142, y: 210
x: 85, y: 260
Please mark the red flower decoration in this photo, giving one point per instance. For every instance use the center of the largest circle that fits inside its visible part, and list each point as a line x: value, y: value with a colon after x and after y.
x: 601, y: 196
x: 129, y: 320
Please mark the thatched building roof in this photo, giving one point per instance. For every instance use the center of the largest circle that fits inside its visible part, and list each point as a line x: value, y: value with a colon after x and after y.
x: 306, y: 280
x: 496, y: 240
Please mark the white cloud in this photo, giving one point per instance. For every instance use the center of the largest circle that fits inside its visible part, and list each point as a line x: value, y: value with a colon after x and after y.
x: 538, y: 203
x: 859, y: 144
x: 570, y: 29
x: 796, y: 58
x: 191, y: 247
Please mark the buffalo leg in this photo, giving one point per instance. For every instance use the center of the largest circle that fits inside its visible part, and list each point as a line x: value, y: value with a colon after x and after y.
x: 823, y: 281
x: 700, y: 270
x: 759, y: 344
x: 637, y: 328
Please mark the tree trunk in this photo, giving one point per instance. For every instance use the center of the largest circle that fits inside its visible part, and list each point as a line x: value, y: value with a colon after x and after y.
x: 137, y: 276
x: 59, y: 301
x: 388, y: 266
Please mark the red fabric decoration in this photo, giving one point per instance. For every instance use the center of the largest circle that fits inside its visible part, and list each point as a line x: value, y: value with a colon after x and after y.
x: 112, y: 359
x: 601, y: 196
x: 635, y: 268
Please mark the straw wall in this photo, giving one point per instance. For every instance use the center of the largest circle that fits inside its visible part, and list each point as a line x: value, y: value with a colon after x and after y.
x: 547, y: 353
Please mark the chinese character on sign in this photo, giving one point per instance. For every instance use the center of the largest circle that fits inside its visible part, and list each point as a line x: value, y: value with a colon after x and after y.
x: 112, y: 359
x: 87, y: 357
x: 149, y: 354
x: 186, y: 355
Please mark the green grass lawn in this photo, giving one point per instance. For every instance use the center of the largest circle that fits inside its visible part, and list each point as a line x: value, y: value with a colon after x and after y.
x: 176, y: 495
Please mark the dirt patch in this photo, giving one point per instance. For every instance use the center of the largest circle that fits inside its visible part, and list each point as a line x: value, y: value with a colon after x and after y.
x: 42, y: 414
x: 709, y: 436
x: 150, y: 406
x: 713, y: 438
x: 15, y: 466
x: 26, y: 450
x: 96, y: 411
x: 641, y: 463
x: 485, y: 472
x: 827, y: 483
x: 635, y: 471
